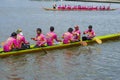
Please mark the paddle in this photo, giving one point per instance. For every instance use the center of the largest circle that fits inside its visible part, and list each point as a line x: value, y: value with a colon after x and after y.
x: 83, y: 43
x: 44, y: 50
x: 2, y: 43
x: 97, y: 40
x: 40, y: 47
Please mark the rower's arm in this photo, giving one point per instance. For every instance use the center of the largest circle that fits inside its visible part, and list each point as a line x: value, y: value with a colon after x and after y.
x: 34, y: 39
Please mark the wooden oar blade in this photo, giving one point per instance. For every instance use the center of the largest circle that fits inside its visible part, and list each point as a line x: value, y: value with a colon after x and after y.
x: 98, y: 40
x: 2, y: 43
x: 83, y: 43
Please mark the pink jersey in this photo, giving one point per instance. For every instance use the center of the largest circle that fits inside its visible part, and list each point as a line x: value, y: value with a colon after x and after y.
x: 90, y: 34
x: 67, y: 37
x: 10, y: 44
x: 77, y: 33
x: 20, y: 40
x: 50, y: 38
x: 41, y: 40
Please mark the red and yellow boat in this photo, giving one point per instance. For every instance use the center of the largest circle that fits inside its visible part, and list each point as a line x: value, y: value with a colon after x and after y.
x: 51, y: 9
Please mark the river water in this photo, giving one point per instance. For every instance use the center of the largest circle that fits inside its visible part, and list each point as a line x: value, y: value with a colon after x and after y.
x: 94, y: 62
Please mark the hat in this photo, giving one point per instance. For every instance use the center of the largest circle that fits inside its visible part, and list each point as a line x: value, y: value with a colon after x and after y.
x: 76, y: 26
x: 19, y: 30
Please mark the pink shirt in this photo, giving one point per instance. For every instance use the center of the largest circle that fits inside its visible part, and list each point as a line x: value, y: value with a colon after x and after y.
x: 41, y: 40
x: 50, y: 38
x: 67, y: 37
x: 20, y: 40
x: 90, y: 34
x: 10, y: 44
x: 77, y: 33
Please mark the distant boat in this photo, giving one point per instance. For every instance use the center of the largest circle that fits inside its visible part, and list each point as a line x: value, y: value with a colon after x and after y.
x: 51, y: 9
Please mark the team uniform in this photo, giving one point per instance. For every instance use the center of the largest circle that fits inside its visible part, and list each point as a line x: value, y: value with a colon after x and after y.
x: 77, y: 34
x: 40, y: 40
x: 67, y: 37
x: 90, y: 34
x: 22, y: 43
x: 50, y: 38
x: 10, y: 44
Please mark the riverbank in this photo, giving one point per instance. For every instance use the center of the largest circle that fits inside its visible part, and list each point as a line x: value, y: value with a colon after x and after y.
x: 103, y: 1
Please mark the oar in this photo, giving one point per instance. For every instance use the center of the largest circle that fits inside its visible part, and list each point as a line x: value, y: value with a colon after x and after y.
x: 97, y: 40
x: 2, y: 43
x: 41, y: 47
x: 44, y: 50
x: 83, y: 43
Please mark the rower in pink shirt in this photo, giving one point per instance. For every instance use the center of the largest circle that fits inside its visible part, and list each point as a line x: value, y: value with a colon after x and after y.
x: 51, y: 36
x: 40, y: 38
x: 11, y: 43
x: 77, y: 33
x: 59, y: 7
x: 68, y: 36
x: 90, y: 33
x: 22, y: 43
x: 68, y: 7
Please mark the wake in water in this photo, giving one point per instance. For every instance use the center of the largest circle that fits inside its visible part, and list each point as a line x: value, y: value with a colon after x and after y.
x: 88, y: 50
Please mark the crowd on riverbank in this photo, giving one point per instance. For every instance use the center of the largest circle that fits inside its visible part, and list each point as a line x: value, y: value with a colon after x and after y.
x: 100, y: 1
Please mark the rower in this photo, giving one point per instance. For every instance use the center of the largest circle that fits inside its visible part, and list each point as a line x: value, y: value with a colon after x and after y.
x: 22, y: 43
x: 59, y: 7
x: 75, y: 7
x: 96, y: 8
x: 68, y: 36
x: 76, y: 33
x: 40, y: 38
x: 51, y: 36
x: 108, y: 8
x: 79, y: 7
x: 11, y: 43
x: 90, y: 34
x: 68, y: 7
x: 63, y: 7
x: 103, y: 8
x: 100, y: 8
x: 54, y: 6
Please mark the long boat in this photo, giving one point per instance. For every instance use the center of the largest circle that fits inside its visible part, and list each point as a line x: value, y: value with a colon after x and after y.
x: 51, y: 9
x: 104, y: 38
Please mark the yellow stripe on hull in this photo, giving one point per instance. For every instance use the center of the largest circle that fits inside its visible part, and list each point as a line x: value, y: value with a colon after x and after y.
x: 58, y: 46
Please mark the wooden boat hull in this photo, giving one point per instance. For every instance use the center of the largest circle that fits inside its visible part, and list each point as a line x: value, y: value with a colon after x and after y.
x: 51, y: 9
x: 58, y: 46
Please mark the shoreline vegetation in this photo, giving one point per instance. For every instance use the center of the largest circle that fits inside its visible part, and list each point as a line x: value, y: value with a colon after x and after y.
x: 102, y: 1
